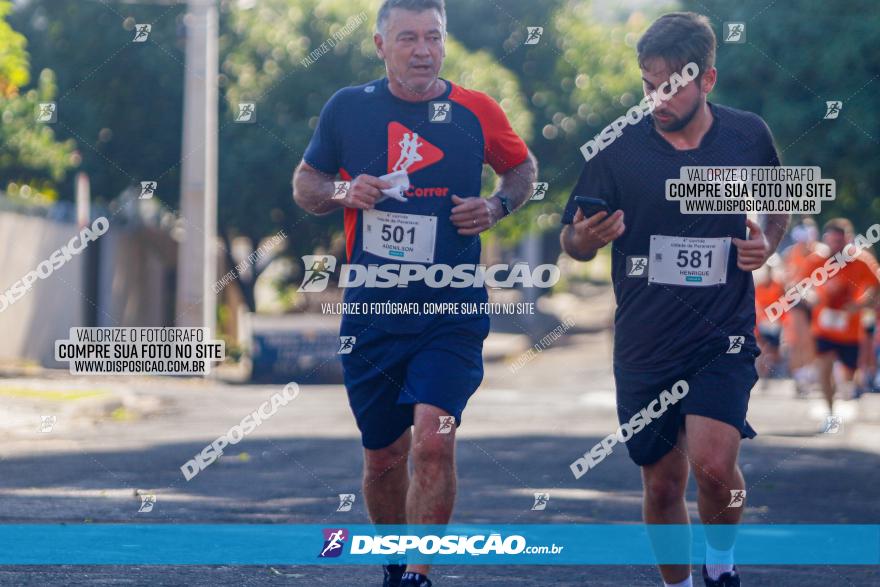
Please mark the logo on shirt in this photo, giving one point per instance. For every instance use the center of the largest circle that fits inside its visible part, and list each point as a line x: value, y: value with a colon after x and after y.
x: 407, y: 151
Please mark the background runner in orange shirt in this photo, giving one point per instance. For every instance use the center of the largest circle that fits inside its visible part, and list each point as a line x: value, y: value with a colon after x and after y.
x: 838, y: 305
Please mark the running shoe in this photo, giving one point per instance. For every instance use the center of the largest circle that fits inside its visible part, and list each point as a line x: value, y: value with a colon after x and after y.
x: 415, y: 580
x: 730, y: 579
x: 393, y: 574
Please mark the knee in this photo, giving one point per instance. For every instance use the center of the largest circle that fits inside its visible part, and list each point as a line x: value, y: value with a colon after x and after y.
x: 714, y: 473
x: 433, y: 450
x: 665, y: 493
x: 379, y: 462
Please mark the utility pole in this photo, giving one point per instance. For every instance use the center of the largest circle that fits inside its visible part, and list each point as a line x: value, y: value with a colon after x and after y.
x: 197, y: 252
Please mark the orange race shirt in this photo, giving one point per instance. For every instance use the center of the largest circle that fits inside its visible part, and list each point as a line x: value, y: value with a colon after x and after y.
x: 794, y: 260
x: 830, y: 320
x: 766, y: 294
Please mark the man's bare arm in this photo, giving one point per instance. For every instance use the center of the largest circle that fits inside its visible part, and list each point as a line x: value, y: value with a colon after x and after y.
x: 313, y: 190
x: 775, y: 229
x: 516, y: 185
x: 583, y: 238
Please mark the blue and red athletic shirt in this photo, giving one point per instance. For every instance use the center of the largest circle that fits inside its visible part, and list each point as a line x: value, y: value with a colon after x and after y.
x: 364, y: 129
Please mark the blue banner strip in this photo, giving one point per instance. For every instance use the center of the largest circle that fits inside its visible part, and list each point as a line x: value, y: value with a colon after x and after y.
x: 531, y: 544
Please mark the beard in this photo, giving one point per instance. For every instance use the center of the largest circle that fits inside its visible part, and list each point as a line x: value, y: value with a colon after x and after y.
x: 679, y: 122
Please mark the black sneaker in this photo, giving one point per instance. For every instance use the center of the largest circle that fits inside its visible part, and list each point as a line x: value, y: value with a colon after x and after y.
x: 730, y: 579
x: 393, y: 573
x: 414, y: 580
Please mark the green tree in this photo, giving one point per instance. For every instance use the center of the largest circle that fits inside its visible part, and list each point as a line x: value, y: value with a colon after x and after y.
x: 121, y: 101
x: 31, y: 160
x: 792, y: 62
x: 580, y: 76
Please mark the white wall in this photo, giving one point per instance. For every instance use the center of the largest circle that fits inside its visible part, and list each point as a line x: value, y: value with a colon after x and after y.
x: 30, y: 325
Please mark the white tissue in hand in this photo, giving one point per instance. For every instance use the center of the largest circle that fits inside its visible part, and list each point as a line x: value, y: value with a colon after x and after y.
x: 399, y: 181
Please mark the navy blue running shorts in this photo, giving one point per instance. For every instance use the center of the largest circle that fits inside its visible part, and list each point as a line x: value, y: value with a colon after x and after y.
x: 718, y: 387
x: 386, y: 374
x: 848, y: 354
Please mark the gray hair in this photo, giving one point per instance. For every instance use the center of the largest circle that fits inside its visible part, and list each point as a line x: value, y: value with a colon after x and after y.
x: 413, y: 5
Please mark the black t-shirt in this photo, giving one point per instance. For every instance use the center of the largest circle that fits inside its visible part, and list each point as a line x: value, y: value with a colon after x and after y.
x: 658, y: 323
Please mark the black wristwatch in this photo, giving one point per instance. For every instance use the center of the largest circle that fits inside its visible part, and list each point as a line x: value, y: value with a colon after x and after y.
x: 505, y: 205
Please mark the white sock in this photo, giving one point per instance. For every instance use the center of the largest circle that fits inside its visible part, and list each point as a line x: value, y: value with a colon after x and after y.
x: 689, y: 582
x: 718, y: 562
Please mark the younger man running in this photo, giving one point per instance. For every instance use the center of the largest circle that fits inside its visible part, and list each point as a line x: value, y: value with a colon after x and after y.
x: 675, y: 323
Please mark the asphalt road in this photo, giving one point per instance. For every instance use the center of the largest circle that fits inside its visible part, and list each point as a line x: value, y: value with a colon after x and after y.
x: 519, y: 435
